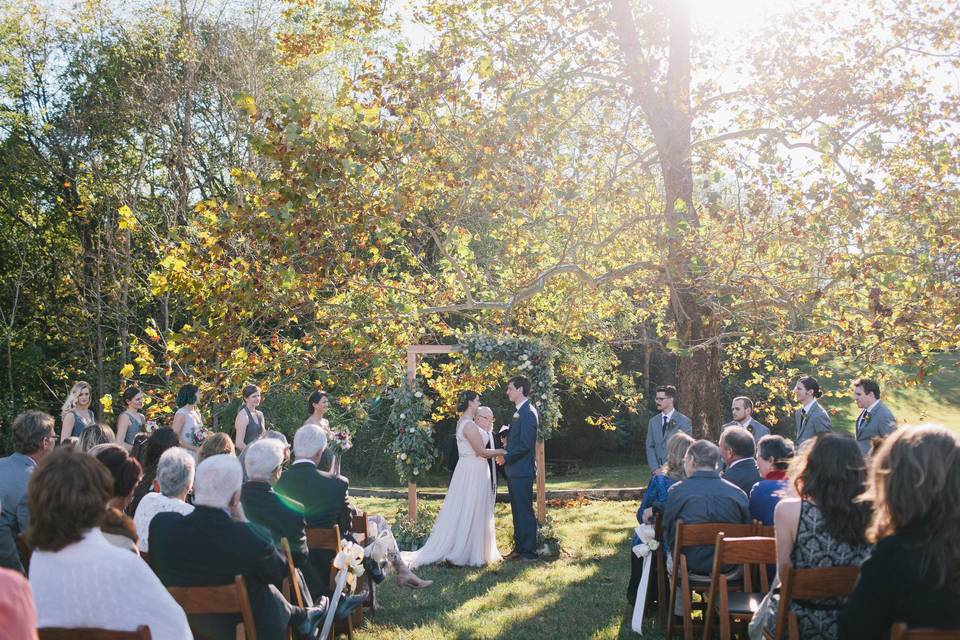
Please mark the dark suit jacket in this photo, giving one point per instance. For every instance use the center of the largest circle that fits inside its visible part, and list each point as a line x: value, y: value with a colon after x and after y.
x: 325, y: 502
x: 743, y: 473
x: 703, y: 497
x: 207, y: 548
x: 277, y: 518
x: 894, y: 588
x: 520, y: 460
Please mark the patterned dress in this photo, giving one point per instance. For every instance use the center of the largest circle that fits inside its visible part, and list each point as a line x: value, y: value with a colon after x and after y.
x: 815, y: 548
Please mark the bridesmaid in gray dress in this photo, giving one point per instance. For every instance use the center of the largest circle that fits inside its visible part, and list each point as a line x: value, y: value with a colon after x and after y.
x: 249, y: 425
x: 131, y: 421
x: 76, y: 412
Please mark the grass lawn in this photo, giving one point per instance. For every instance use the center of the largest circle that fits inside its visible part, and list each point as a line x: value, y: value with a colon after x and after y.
x: 581, y: 595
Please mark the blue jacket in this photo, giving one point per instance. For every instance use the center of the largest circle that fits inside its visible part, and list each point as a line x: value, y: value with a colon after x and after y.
x: 15, y: 471
x: 521, y: 443
x: 654, y: 495
x: 701, y: 498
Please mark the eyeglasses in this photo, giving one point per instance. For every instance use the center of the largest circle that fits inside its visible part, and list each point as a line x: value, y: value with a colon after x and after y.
x: 485, y: 417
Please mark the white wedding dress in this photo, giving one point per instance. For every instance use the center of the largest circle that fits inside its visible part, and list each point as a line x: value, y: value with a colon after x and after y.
x: 463, y: 533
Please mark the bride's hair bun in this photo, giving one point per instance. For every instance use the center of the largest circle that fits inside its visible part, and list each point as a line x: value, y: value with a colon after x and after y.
x: 464, y: 398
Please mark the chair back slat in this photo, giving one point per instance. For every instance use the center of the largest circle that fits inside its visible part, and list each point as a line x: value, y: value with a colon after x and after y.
x: 324, y: 538
x: 694, y: 535
x: 900, y: 631
x: 827, y: 582
x: 63, y: 633
x: 747, y: 550
x: 297, y: 597
x: 231, y: 598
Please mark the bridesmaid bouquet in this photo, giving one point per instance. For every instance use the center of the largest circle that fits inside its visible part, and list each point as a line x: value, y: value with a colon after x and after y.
x: 199, y: 435
x: 340, y: 442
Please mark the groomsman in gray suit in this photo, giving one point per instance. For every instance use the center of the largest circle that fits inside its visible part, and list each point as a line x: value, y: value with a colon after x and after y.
x: 742, y: 410
x: 663, y: 425
x: 810, y: 418
x: 875, y: 418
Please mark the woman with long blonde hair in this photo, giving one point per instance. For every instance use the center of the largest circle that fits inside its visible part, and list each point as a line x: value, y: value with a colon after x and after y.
x: 76, y: 412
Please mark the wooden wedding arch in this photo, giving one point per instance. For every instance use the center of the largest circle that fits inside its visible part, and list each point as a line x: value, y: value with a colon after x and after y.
x: 432, y: 349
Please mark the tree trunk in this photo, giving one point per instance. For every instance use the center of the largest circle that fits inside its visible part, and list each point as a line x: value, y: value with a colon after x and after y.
x: 668, y: 112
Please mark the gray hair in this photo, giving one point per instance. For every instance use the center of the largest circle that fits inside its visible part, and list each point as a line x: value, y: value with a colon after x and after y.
x: 262, y: 457
x: 218, y: 478
x: 308, y: 441
x: 175, y: 472
x: 485, y: 409
x: 704, y: 455
x: 278, y: 436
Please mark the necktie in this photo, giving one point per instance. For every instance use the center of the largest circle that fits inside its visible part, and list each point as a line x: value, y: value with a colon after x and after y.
x: 861, y: 420
x: 663, y: 428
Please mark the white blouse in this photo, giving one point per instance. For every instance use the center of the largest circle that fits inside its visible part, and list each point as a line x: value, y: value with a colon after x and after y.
x: 92, y: 583
x: 151, y: 505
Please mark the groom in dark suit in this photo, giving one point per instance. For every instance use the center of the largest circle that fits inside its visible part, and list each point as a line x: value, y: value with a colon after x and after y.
x: 521, y: 469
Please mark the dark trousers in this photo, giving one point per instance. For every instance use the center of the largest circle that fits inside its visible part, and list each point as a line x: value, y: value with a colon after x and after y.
x: 524, y: 522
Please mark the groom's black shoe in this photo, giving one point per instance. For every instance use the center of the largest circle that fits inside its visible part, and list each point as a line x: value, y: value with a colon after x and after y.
x: 513, y: 555
x: 372, y: 567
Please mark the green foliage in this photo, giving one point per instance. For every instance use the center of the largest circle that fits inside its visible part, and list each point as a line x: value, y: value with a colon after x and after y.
x: 411, y: 535
x: 413, y: 446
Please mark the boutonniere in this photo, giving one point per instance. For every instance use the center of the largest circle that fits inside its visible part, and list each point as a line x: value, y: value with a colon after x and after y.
x: 516, y: 415
x: 866, y: 418
x: 750, y: 427
x: 671, y: 424
x: 804, y: 418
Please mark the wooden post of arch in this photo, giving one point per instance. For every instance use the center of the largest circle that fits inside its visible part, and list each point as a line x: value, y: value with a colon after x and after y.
x: 418, y: 349
x: 412, y: 352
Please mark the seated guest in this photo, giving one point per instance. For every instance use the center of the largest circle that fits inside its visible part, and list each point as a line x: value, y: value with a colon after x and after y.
x: 703, y: 497
x: 654, y: 498
x: 324, y: 499
x: 913, y: 574
x: 18, y: 615
x: 825, y: 526
x: 278, y: 518
x: 95, y: 434
x: 773, y: 458
x: 212, y: 545
x: 33, y: 438
x: 216, y: 444
x: 78, y: 578
x: 159, y: 441
x: 279, y: 437
x: 174, y: 481
x: 737, y: 448
x: 118, y: 528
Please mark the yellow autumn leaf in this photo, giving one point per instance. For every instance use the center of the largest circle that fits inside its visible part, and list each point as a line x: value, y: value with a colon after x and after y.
x: 106, y: 401
x: 126, y: 371
x: 126, y: 220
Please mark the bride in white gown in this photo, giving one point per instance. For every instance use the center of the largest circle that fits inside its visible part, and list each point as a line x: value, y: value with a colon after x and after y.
x: 463, y: 533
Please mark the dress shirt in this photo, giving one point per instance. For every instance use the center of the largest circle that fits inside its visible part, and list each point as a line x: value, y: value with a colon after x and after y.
x: 92, y: 583
x: 151, y: 505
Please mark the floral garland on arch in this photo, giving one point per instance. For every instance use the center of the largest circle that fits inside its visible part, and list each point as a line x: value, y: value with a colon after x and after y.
x: 521, y: 356
x: 413, y: 445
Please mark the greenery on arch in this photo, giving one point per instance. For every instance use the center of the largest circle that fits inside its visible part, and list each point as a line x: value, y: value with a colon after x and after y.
x: 530, y: 357
x: 413, y: 445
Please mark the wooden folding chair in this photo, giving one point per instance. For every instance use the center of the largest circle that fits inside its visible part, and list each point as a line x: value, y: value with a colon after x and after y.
x: 693, y: 535
x: 764, y: 530
x: 291, y: 585
x: 321, y: 539
x: 899, y: 631
x: 660, y: 565
x: 361, y: 533
x: 809, y: 584
x: 65, y: 633
x: 146, y: 558
x: 754, y: 551
x: 231, y: 598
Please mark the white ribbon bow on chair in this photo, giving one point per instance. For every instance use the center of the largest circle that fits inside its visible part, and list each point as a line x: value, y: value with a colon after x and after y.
x: 648, y: 544
x: 349, y: 565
